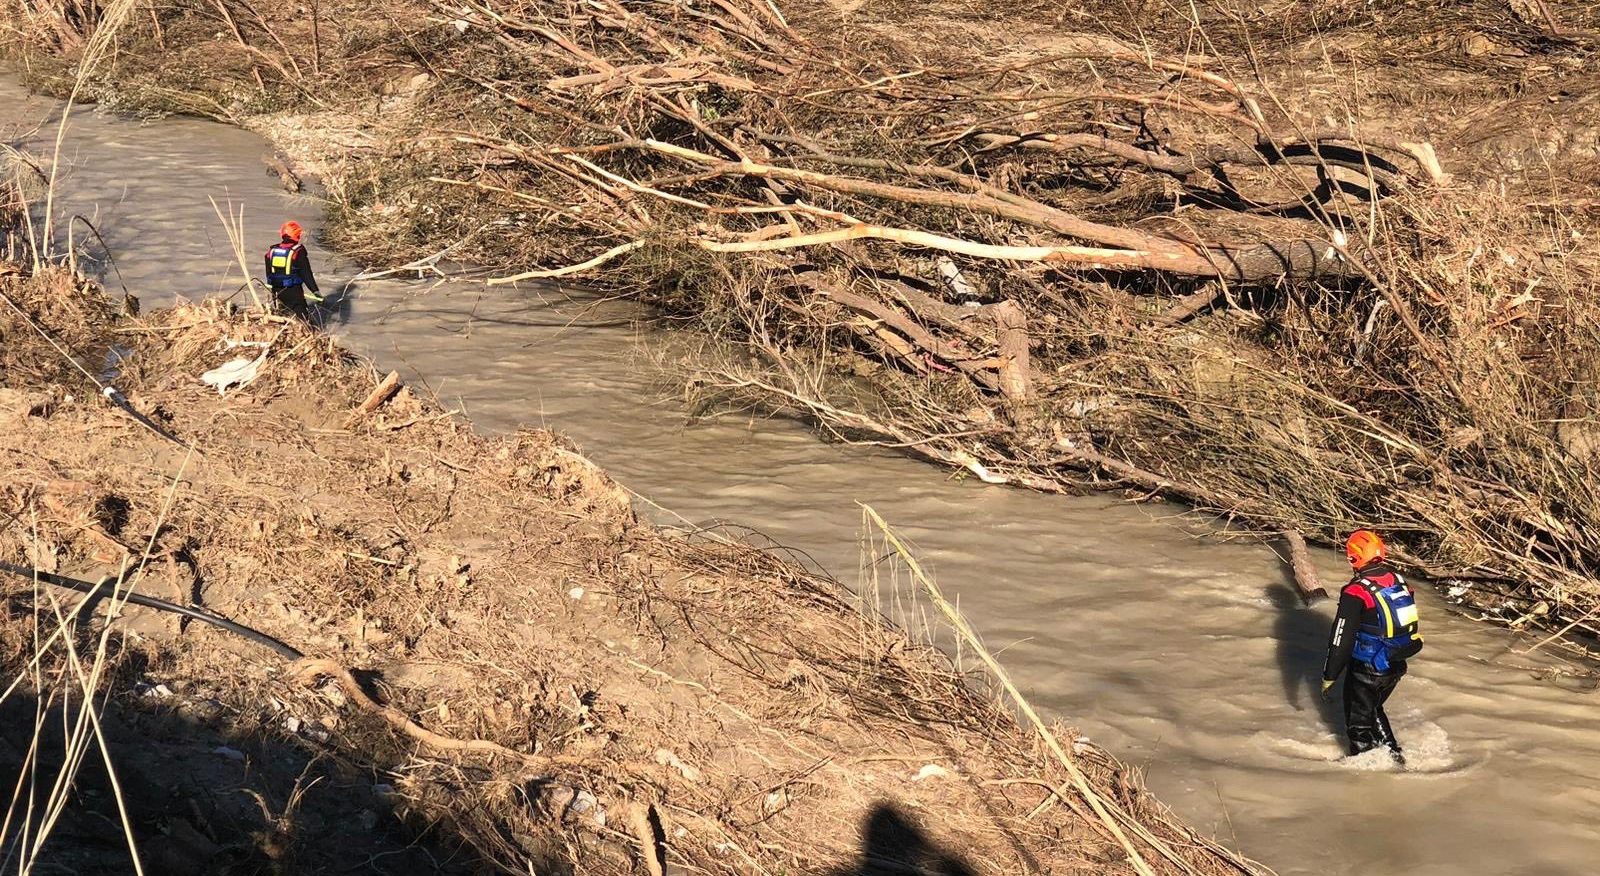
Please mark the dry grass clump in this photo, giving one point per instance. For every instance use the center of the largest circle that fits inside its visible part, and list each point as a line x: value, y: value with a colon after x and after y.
x: 53, y: 303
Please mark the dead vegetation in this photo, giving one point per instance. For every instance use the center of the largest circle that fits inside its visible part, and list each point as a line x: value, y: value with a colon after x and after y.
x: 1310, y: 266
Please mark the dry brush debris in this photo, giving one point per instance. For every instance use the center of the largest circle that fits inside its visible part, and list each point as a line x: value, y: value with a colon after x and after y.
x: 1213, y: 254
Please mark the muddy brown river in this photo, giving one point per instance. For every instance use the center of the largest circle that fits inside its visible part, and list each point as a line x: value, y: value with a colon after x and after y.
x: 1184, y: 654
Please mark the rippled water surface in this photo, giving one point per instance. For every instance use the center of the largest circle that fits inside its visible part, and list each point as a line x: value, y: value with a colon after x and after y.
x: 1181, y: 653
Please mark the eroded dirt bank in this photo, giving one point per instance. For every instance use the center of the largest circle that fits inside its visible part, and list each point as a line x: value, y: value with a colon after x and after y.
x: 485, y: 589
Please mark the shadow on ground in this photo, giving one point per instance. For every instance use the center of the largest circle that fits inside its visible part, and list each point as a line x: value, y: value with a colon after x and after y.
x: 202, y: 801
x: 891, y: 845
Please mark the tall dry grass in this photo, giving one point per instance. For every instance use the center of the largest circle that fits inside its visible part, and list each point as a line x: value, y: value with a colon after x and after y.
x: 66, y: 670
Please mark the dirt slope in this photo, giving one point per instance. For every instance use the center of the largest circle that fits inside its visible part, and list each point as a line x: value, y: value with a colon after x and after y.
x: 493, y: 589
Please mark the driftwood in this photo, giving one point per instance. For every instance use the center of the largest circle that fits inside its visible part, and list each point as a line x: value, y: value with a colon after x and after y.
x: 278, y: 166
x: 1016, y: 380
x: 308, y: 670
x: 623, y: 182
x: 385, y: 389
x: 1121, y: 247
x: 1305, y: 574
x: 1188, y: 306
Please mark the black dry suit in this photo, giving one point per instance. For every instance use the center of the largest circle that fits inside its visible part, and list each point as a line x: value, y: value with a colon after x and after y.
x: 289, y: 276
x: 1374, y: 634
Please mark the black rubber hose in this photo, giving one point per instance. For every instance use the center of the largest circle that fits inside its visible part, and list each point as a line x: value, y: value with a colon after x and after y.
x: 105, y: 589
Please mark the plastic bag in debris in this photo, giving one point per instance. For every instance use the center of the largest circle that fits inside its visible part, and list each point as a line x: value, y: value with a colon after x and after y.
x: 234, y: 372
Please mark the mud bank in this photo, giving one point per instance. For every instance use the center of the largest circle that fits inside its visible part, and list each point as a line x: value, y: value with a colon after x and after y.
x: 567, y: 689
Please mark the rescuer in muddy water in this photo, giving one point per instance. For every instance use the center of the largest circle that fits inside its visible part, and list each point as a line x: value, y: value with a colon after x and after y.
x: 289, y: 274
x: 1374, y: 634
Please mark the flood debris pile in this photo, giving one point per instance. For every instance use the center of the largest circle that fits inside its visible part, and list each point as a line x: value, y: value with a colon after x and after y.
x: 496, y: 650
x: 1212, y: 257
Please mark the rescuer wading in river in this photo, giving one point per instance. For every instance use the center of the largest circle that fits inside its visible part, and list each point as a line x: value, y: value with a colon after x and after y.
x: 289, y: 273
x: 1374, y: 634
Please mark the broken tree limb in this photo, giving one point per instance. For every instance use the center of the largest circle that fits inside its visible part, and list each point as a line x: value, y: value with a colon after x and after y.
x: 386, y: 388
x: 970, y: 364
x: 307, y: 670
x: 1094, y: 460
x: 1380, y: 171
x: 1188, y: 305
x: 1301, y: 258
x: 1016, y: 383
x: 1086, y: 257
x: 645, y: 835
x: 595, y: 262
x: 1305, y: 574
x: 960, y: 319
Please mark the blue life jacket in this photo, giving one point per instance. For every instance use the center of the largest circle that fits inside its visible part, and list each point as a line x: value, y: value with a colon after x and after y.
x: 280, y: 266
x: 1395, y: 628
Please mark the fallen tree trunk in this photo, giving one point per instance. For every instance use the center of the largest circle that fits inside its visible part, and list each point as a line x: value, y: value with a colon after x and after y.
x: 1296, y: 259
x: 1305, y: 574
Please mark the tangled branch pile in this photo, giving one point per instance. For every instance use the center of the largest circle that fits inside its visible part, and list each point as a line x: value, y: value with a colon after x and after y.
x: 1183, y: 261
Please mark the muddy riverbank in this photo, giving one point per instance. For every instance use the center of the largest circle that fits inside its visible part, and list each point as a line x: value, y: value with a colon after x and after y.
x: 564, y: 688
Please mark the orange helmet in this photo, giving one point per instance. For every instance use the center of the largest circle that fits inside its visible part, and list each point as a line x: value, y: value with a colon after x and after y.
x: 1363, y: 548
x: 291, y: 230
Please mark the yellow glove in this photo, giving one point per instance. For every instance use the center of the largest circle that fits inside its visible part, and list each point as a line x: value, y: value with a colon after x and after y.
x: 313, y: 297
x: 1327, y: 688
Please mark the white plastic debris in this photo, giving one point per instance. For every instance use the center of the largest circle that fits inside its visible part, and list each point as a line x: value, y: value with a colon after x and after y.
x: 576, y: 593
x: 930, y: 771
x: 955, y: 279
x: 238, y: 372
x: 585, y: 802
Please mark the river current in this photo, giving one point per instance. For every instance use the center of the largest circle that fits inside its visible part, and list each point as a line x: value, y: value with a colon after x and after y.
x: 1183, y: 653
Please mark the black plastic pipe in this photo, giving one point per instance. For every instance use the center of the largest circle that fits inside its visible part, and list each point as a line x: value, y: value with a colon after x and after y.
x: 106, y: 588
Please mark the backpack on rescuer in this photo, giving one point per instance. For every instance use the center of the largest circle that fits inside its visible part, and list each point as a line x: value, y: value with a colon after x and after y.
x: 280, y: 265
x: 1395, y: 629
